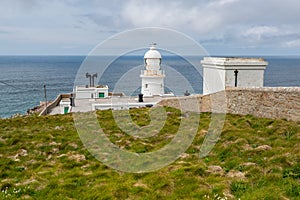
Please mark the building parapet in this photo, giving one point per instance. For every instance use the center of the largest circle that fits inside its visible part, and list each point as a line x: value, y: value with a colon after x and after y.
x: 265, y: 89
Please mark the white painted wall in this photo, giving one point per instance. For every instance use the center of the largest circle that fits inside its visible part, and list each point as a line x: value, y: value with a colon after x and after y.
x: 85, y: 94
x: 155, y: 85
x: 64, y: 104
x: 120, y: 106
x: 245, y: 78
x: 213, y: 80
x: 90, y: 92
x: 101, y: 90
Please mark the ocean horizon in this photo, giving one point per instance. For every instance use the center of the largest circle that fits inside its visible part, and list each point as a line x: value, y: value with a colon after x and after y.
x: 22, y: 77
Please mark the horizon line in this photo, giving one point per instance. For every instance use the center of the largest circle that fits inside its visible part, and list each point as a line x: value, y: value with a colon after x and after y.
x: 213, y: 55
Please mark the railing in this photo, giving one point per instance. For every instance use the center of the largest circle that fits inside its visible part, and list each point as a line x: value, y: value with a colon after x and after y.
x: 153, y: 72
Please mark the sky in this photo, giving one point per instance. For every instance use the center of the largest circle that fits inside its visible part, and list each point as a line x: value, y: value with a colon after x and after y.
x: 222, y: 27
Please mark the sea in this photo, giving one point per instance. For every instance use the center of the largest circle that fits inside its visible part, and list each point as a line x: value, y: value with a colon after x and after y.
x: 23, y: 79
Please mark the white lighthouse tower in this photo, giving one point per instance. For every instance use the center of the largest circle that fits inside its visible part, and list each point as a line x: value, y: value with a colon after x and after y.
x: 152, y: 76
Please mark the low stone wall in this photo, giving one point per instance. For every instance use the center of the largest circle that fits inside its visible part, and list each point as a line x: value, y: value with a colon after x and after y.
x: 188, y: 102
x: 276, y: 102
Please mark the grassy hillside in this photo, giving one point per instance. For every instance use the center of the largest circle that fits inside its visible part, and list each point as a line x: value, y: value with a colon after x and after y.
x: 44, y: 158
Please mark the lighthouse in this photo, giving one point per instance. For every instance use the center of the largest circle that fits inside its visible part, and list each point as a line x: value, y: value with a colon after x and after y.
x: 152, y: 76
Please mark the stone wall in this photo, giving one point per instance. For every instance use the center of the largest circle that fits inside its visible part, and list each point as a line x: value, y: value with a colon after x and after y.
x: 276, y: 102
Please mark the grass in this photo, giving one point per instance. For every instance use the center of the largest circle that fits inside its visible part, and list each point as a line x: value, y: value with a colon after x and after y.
x: 44, y: 158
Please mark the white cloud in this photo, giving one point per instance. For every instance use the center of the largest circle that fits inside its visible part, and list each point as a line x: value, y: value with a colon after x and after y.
x: 292, y: 44
x: 257, y: 33
x: 222, y: 2
x: 173, y: 14
x: 78, y: 22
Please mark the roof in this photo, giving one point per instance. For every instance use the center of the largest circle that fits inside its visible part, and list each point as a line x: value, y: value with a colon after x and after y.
x: 152, y: 53
x: 229, y: 62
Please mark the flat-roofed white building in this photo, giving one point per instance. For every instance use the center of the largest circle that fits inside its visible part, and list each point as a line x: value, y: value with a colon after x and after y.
x: 65, y: 105
x: 221, y: 72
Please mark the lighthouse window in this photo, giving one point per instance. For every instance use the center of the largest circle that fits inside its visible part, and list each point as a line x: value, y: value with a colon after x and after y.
x: 146, y: 86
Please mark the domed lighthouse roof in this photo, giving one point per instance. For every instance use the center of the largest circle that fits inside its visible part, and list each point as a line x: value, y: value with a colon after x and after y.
x: 152, y: 53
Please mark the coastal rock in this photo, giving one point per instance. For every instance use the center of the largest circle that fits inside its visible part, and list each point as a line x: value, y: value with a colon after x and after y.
x: 236, y: 174
x: 247, y: 147
x: 75, y: 146
x: 263, y: 148
x: 16, y: 115
x: 61, y: 155
x: 27, y: 182
x: 247, y: 164
x: 14, y: 158
x: 215, y: 169
x: 58, y: 128
x: 203, y: 132
x: 2, y: 140
x: 184, y: 155
x: 140, y: 184
x: 54, y: 144
x: 76, y: 157
x: 54, y: 150
x: 22, y: 152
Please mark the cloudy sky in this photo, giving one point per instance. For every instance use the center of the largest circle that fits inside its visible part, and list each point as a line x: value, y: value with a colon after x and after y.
x: 223, y: 27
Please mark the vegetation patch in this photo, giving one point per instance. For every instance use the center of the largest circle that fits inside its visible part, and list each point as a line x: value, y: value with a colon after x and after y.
x: 255, y: 158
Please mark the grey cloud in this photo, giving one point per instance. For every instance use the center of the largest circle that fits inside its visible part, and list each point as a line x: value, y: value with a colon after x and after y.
x: 213, y: 22
x: 211, y: 15
x: 5, y: 32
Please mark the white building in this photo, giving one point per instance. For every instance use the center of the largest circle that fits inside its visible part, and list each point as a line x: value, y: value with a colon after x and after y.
x: 65, y: 106
x: 152, y: 76
x: 91, y: 92
x: 219, y: 73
